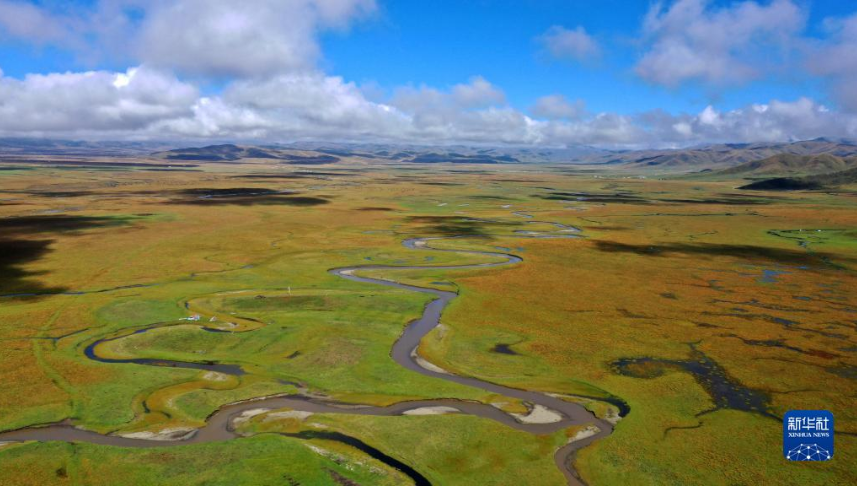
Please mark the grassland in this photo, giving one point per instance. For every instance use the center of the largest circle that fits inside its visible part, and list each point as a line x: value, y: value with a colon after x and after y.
x: 756, y: 289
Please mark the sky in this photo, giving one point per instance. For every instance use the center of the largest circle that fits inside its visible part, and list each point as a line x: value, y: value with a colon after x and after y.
x: 606, y: 73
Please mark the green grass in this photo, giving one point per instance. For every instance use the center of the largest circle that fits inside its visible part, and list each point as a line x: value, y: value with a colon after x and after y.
x: 652, y: 275
x: 264, y: 460
x: 447, y: 455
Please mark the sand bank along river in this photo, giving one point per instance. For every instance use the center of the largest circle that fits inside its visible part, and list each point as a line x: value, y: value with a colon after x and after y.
x: 548, y: 413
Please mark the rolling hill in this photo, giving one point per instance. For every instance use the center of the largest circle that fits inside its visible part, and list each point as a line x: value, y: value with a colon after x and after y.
x: 235, y: 153
x: 720, y: 156
x: 792, y: 164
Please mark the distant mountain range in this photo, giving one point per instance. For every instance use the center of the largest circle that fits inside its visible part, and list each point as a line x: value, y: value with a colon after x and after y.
x: 314, y: 153
x: 235, y: 153
x: 34, y: 146
x: 711, y: 157
x: 732, y: 160
x: 721, y: 156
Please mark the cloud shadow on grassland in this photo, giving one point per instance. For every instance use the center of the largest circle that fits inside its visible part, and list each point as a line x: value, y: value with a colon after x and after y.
x: 244, y: 196
x: 749, y: 252
x: 259, y: 200
x: 18, y: 249
x: 454, y: 225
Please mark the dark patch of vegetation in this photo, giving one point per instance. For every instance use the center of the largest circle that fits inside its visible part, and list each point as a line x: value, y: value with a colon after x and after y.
x: 330, y: 174
x: 264, y: 200
x: 63, y: 193
x: 720, y: 201
x: 749, y: 252
x: 725, y: 391
x: 738, y: 195
x: 504, y: 349
x: 310, y: 159
x: 170, y: 169
x: 468, y: 171
x: 27, y: 225
x: 846, y: 371
x: 627, y: 198
x: 454, y: 225
x: 14, y: 255
x: 783, y: 184
x: 291, y: 481
x: 295, y: 175
x: 815, y: 182
x: 17, y: 249
x: 244, y: 196
x: 490, y: 198
x: 460, y: 159
x: 776, y: 343
x: 594, y: 198
x: 340, y: 479
x: 228, y: 192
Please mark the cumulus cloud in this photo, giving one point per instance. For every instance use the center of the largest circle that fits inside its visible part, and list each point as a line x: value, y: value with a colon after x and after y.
x: 478, y: 93
x: 245, y: 39
x: 692, y: 40
x: 217, y: 38
x: 556, y: 107
x: 775, y: 121
x: 146, y: 103
x: 574, y: 44
x: 267, y: 52
x: 92, y: 101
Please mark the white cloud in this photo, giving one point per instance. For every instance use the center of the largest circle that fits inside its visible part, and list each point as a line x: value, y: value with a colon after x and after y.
x: 836, y: 59
x: 267, y: 52
x: 573, y: 44
x: 217, y: 38
x: 556, y: 107
x: 92, y: 101
x: 692, y: 40
x: 251, y: 38
x: 801, y: 119
x: 26, y: 21
x: 145, y: 103
x: 478, y: 93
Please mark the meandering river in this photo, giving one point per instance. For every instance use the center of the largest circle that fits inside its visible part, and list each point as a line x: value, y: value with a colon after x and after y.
x: 219, y: 426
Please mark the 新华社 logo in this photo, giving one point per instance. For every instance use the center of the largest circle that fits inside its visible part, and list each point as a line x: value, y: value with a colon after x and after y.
x: 808, y: 435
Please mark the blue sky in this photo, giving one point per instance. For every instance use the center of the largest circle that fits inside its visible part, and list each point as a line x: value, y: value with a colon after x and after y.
x: 442, y: 42
x: 445, y: 70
